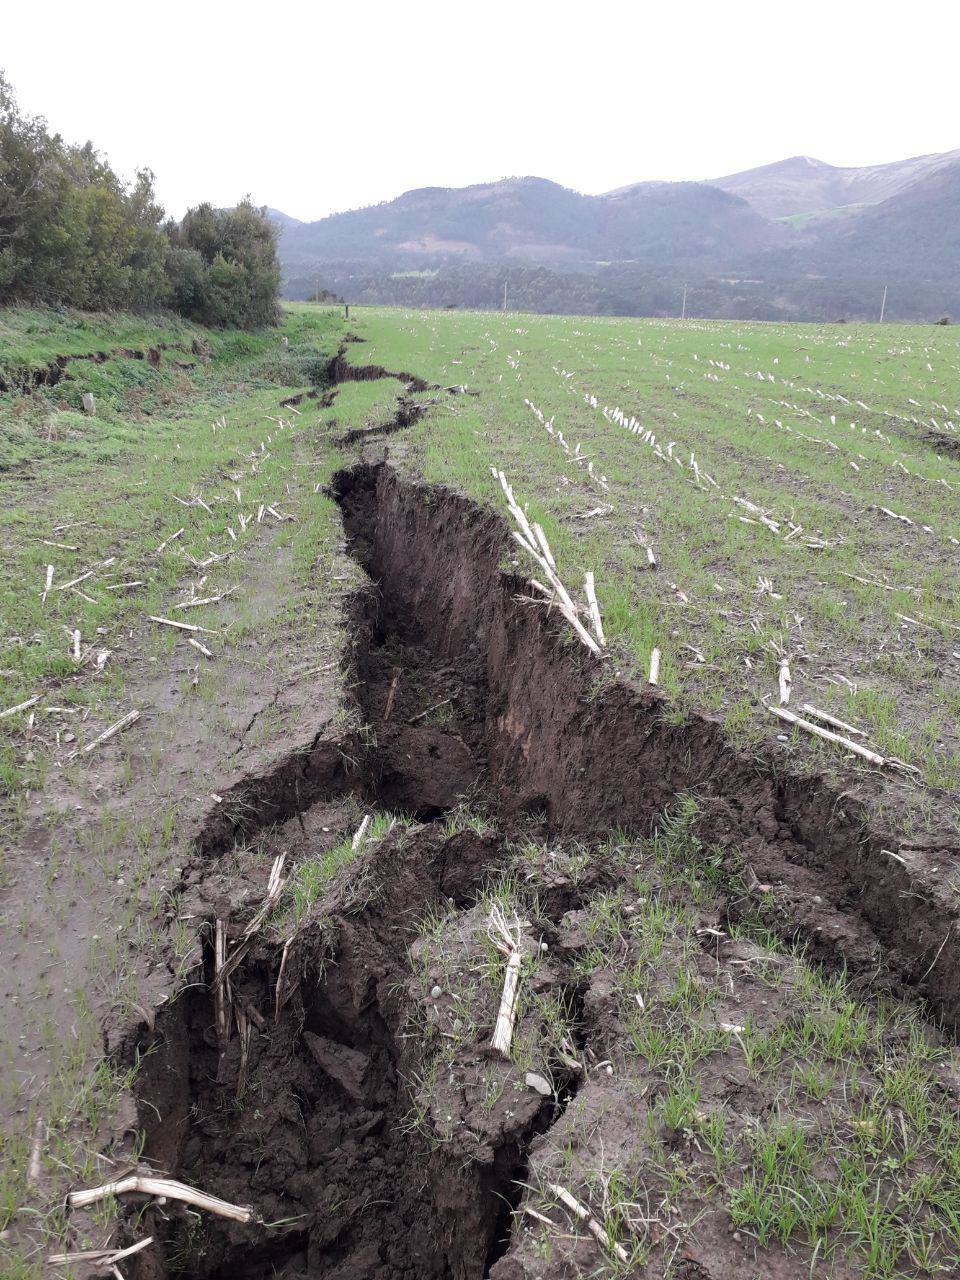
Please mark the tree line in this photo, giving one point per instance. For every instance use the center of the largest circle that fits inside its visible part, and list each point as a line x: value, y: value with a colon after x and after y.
x: 72, y: 233
x: 626, y: 289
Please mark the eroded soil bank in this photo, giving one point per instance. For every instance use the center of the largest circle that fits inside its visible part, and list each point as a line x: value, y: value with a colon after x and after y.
x: 355, y: 1101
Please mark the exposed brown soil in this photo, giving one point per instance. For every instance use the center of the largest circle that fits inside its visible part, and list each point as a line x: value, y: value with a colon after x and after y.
x: 944, y: 443
x: 470, y: 693
x: 56, y: 370
x: 595, y: 752
x: 408, y: 412
x: 339, y: 369
x: 319, y: 1135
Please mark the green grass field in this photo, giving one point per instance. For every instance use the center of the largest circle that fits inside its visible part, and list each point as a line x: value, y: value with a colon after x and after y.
x: 798, y: 490
x: 837, y: 437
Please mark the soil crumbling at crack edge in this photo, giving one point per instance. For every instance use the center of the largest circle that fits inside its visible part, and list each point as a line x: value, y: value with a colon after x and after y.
x: 596, y: 760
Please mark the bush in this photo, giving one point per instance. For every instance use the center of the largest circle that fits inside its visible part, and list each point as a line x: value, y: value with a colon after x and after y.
x: 186, y: 278
x: 222, y: 267
x: 70, y: 230
x: 72, y: 233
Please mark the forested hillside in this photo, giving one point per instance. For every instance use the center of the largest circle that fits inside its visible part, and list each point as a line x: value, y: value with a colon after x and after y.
x: 794, y: 240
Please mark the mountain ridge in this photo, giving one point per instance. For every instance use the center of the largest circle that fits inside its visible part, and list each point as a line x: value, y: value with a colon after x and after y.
x: 729, y: 238
x: 804, y: 184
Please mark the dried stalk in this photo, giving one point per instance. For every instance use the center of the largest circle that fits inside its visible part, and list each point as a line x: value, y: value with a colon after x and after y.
x: 21, y: 706
x: 361, y: 833
x: 817, y: 714
x: 391, y: 695
x: 166, y: 542
x: 102, y: 1259
x: 421, y: 715
x: 864, y: 752
x: 540, y: 1217
x: 599, y: 1232
x: 654, y: 666
x: 245, y: 1033
x: 65, y: 586
x: 36, y: 1151
x: 194, y: 604
x: 275, y: 886
x: 181, y: 626
x: 278, y: 1001
x: 507, y: 943
x: 130, y: 718
x: 591, y: 592
x: 784, y: 681
x: 221, y: 989
x: 541, y: 538
x: 538, y: 548
x: 165, y: 1188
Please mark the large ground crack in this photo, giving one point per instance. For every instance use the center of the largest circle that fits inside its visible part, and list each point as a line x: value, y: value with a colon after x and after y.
x: 334, y: 1105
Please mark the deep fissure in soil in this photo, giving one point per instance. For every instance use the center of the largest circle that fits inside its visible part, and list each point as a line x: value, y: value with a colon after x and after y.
x: 309, y: 1118
x: 467, y: 693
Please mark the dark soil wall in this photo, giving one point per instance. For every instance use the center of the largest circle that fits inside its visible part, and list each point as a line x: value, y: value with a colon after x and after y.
x: 596, y: 760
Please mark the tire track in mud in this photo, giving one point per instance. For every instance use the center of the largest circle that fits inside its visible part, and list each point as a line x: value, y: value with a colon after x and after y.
x: 326, y: 1141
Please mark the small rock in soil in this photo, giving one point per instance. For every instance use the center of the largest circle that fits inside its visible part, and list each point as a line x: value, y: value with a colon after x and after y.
x: 539, y: 1083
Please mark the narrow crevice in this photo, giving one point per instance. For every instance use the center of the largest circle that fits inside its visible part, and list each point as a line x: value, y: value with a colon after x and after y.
x: 55, y: 371
x: 568, y: 1082
x: 339, y: 369
x: 408, y: 412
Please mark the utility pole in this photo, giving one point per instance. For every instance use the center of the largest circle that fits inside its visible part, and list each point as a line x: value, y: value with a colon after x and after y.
x: 883, y: 304
x: 317, y: 299
x: 683, y: 309
x: 504, y: 295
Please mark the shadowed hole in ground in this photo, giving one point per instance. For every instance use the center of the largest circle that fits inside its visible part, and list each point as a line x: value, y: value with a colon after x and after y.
x: 304, y: 1111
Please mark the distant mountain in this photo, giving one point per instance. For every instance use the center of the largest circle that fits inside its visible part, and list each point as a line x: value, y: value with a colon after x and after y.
x: 915, y: 233
x: 804, y: 185
x: 283, y: 219
x: 538, y: 221
x: 496, y: 218
x: 795, y: 240
x: 673, y: 222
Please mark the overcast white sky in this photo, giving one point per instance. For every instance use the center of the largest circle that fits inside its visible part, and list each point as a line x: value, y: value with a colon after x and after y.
x: 314, y: 107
